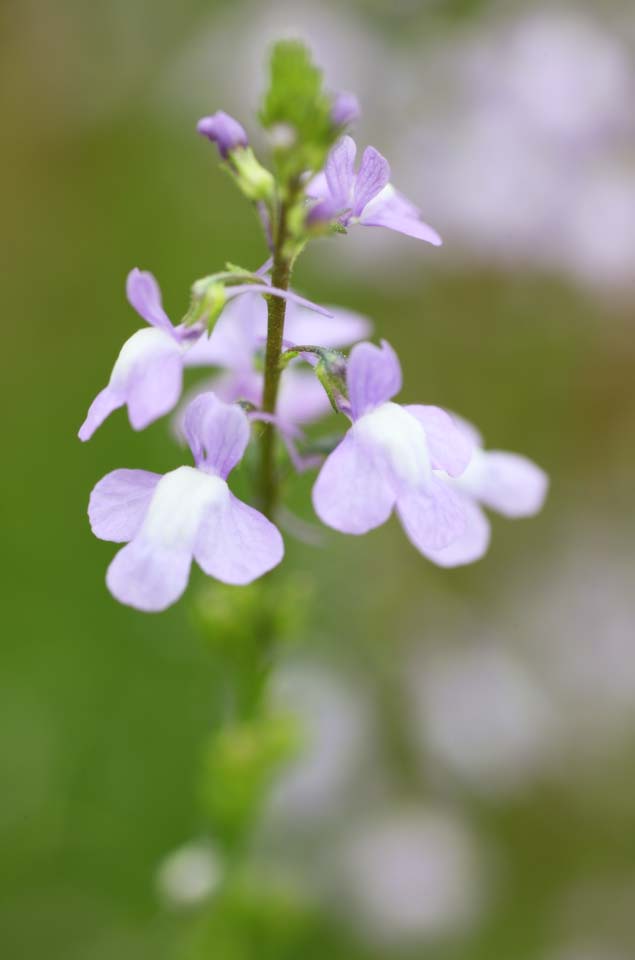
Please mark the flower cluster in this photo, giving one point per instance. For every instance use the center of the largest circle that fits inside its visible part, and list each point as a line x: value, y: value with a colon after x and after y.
x: 276, y: 365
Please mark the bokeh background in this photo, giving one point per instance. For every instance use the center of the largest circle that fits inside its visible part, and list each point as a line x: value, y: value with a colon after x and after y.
x: 468, y: 787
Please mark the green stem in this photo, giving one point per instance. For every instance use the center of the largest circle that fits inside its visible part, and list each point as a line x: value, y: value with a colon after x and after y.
x: 276, y: 310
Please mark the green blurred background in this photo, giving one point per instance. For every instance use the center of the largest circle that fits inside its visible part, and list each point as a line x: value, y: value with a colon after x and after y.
x: 522, y: 322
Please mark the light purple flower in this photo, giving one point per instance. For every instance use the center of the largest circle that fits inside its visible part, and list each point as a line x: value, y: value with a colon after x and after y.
x: 223, y: 130
x: 388, y: 459
x: 507, y: 483
x: 345, y: 109
x: 189, y: 513
x: 239, y: 337
x: 366, y: 197
x: 148, y: 374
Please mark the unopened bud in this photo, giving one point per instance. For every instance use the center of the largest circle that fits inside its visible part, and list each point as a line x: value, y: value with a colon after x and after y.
x: 226, y: 132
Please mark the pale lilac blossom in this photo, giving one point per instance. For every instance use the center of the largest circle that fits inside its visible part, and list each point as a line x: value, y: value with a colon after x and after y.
x: 388, y: 458
x: 223, y: 130
x: 508, y: 483
x: 148, y: 374
x: 366, y: 197
x: 189, y: 513
x: 239, y: 339
x: 410, y: 875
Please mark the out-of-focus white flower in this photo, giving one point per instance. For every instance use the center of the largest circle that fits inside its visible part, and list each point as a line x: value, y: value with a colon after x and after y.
x: 480, y: 713
x: 600, y: 228
x: 566, y: 74
x: 334, y: 721
x: 188, y: 875
x: 579, y: 631
x: 411, y: 875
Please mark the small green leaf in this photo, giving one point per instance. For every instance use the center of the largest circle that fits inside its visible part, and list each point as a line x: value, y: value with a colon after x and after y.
x: 297, y: 104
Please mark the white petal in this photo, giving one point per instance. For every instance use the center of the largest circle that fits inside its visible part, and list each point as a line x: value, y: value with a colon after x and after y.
x: 399, y: 442
x: 152, y: 571
x: 506, y: 482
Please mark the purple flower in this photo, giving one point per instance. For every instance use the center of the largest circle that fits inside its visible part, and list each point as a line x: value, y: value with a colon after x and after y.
x: 345, y: 109
x: 148, y: 374
x: 388, y: 459
x: 238, y: 338
x: 364, y: 197
x: 189, y: 513
x: 505, y: 482
x: 223, y: 130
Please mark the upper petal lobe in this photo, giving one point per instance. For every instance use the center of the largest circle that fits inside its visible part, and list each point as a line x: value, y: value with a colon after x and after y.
x: 217, y: 432
x: 374, y: 174
x: 449, y: 447
x: 373, y: 376
x: 144, y: 294
x: 340, y: 172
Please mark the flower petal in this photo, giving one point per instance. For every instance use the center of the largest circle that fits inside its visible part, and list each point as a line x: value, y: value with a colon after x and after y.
x: 392, y: 210
x: 144, y: 294
x: 234, y: 339
x: 152, y: 571
x: 469, y: 431
x: 353, y: 493
x: 147, y: 376
x: 345, y: 109
x: 340, y: 172
x: 148, y: 577
x: 217, y: 432
x: 118, y: 504
x: 223, y: 130
x: 448, y: 445
x: 151, y: 374
x: 399, y: 446
x: 373, y: 175
x: 268, y: 291
x: 470, y: 546
x: 302, y: 326
x: 102, y: 406
x: 317, y: 188
x: 432, y: 518
x: 236, y: 544
x: 373, y: 376
x: 506, y: 482
x: 229, y: 386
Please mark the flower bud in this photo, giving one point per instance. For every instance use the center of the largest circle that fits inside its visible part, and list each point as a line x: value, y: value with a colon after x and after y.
x: 345, y: 109
x: 208, y: 299
x: 223, y: 130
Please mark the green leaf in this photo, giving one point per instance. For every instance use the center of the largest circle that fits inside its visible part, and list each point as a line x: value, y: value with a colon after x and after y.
x: 297, y: 103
